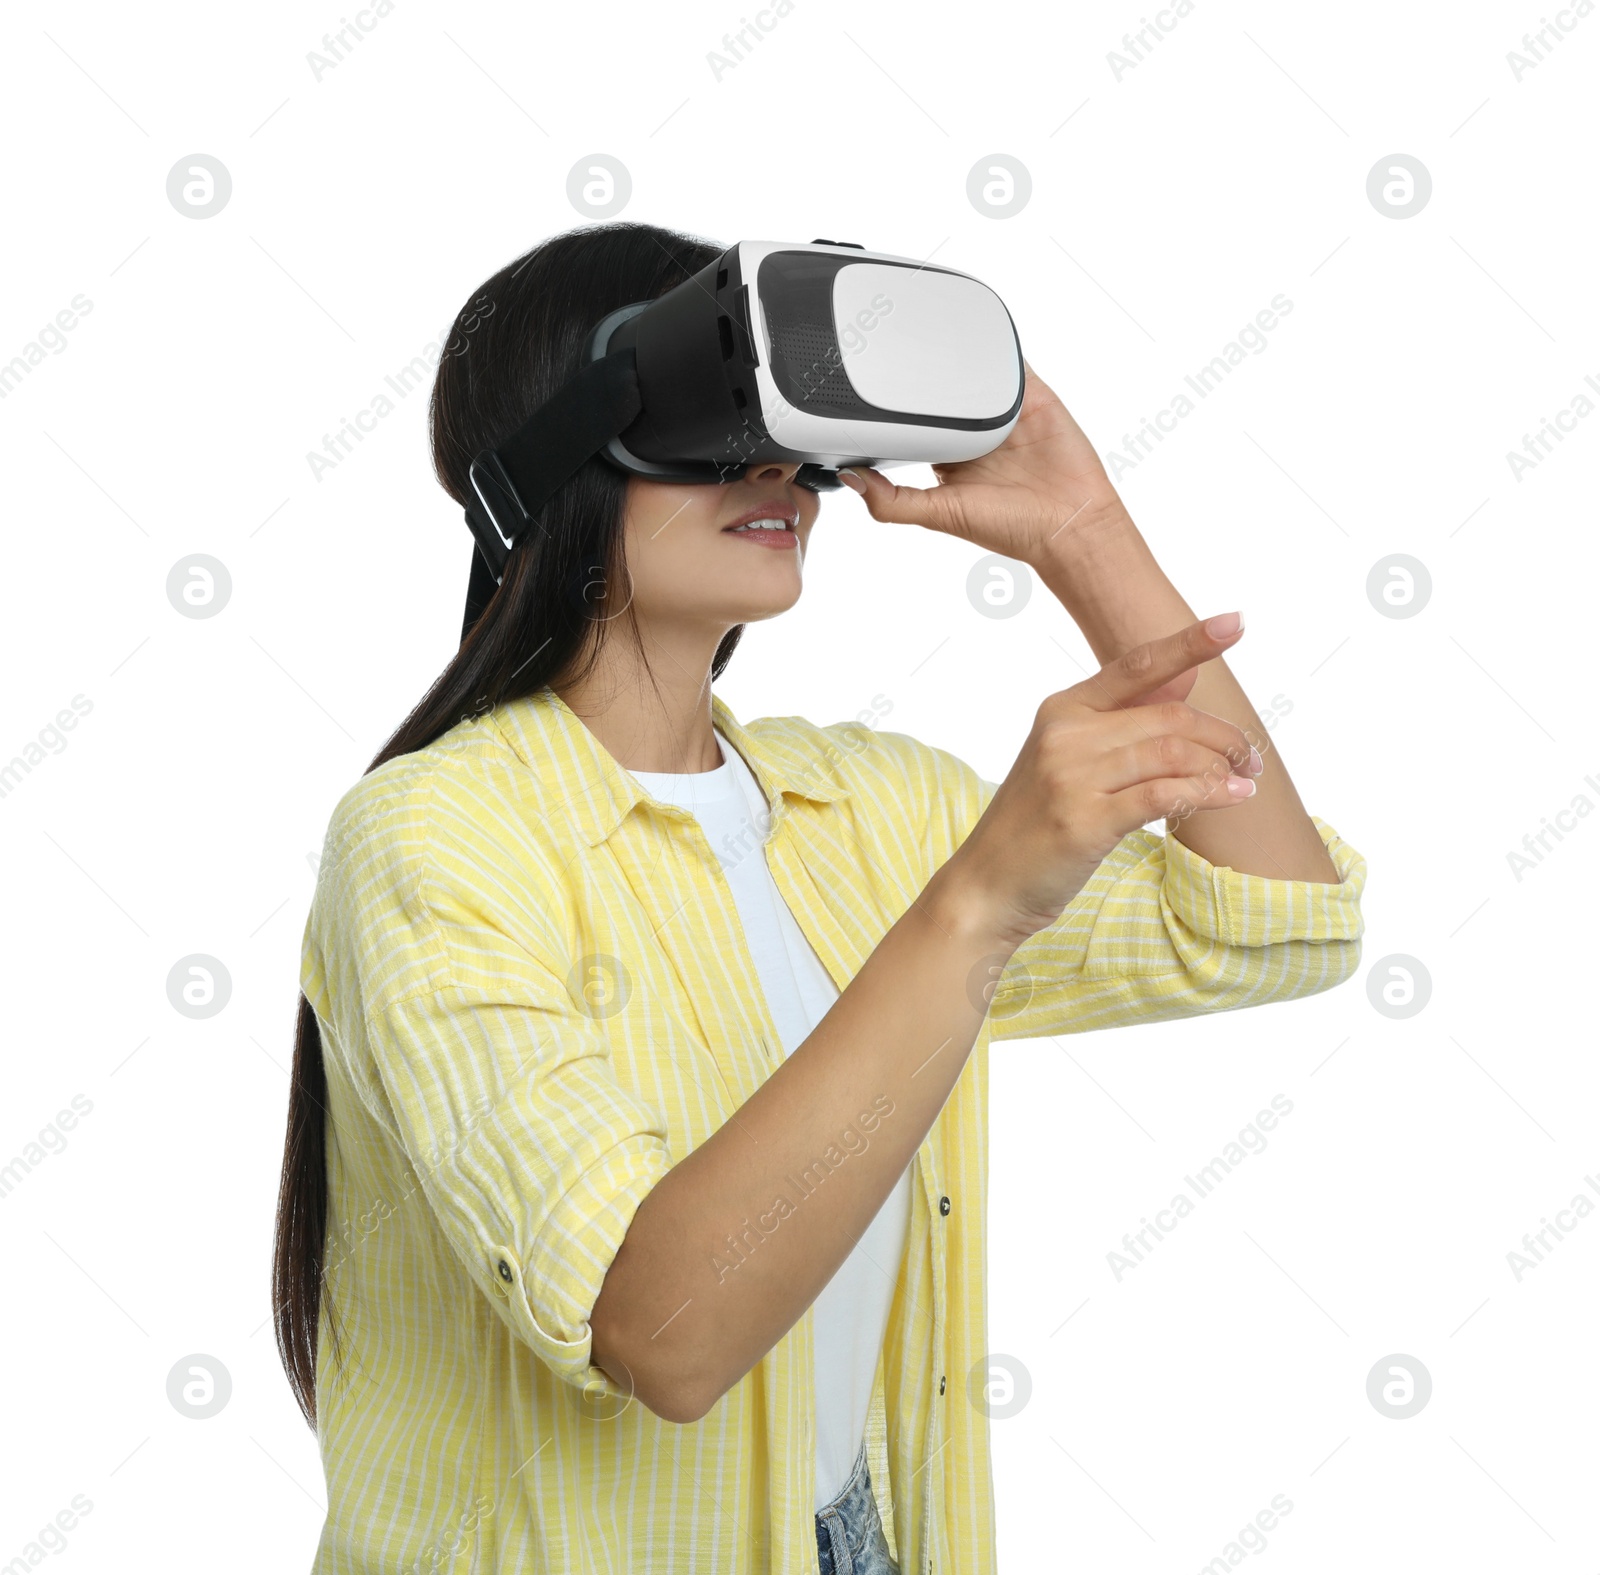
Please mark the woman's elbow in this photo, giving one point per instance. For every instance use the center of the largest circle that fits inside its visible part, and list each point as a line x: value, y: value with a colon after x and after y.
x: 660, y: 1379
x: 670, y: 1394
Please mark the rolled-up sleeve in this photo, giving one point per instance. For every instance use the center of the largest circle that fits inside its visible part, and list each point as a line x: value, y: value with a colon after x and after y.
x: 1235, y: 909
x: 1160, y: 932
x: 440, y: 938
x: 532, y: 1157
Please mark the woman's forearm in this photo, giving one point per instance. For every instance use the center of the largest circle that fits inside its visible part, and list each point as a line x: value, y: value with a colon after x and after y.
x: 1105, y: 575
x: 681, y: 1316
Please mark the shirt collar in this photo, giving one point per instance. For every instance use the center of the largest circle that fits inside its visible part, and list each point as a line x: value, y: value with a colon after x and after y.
x: 555, y: 743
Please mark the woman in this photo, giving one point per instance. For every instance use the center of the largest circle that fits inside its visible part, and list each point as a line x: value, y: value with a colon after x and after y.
x: 633, y: 1202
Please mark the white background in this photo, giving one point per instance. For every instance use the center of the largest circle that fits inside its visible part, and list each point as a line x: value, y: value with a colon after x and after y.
x: 1168, y: 207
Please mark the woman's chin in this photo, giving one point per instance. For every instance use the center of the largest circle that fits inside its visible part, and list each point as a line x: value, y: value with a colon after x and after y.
x: 777, y: 594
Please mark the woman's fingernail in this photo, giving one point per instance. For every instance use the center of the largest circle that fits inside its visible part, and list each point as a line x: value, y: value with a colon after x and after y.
x: 1241, y: 787
x: 1256, y: 764
x: 1221, y: 627
x: 852, y: 480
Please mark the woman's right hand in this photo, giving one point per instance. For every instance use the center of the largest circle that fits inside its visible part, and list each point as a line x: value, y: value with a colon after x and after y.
x: 1105, y: 757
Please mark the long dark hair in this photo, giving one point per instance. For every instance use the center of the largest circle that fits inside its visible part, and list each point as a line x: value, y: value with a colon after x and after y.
x: 518, y: 338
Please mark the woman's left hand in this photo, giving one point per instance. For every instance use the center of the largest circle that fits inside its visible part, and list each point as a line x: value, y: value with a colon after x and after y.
x: 1023, y: 498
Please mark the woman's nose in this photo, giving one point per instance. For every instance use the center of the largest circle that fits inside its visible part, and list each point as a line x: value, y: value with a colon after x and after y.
x: 771, y: 470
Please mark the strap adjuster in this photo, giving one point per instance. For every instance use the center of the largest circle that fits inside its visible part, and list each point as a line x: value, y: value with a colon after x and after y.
x: 515, y: 480
x: 498, y: 519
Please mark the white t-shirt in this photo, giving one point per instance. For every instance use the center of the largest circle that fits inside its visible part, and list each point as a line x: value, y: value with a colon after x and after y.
x: 852, y: 1311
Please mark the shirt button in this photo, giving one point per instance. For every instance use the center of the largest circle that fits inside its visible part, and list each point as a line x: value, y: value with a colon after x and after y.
x: 505, y: 1271
x: 944, y: 1205
x: 941, y: 1383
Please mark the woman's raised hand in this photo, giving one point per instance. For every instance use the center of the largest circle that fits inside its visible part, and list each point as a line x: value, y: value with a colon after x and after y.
x: 1104, y: 757
x: 1044, y: 484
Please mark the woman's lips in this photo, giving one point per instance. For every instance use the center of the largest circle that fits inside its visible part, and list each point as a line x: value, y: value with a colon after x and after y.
x: 766, y: 525
x: 774, y: 535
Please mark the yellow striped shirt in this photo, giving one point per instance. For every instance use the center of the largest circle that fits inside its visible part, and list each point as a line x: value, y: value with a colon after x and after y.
x: 535, y: 998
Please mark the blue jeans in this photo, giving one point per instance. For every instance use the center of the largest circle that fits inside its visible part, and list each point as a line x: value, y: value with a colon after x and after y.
x: 850, y: 1538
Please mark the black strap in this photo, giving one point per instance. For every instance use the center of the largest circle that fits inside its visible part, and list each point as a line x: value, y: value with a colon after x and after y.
x: 480, y: 589
x: 520, y: 476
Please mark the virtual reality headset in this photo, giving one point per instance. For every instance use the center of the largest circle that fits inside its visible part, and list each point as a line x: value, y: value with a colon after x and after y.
x: 825, y: 354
